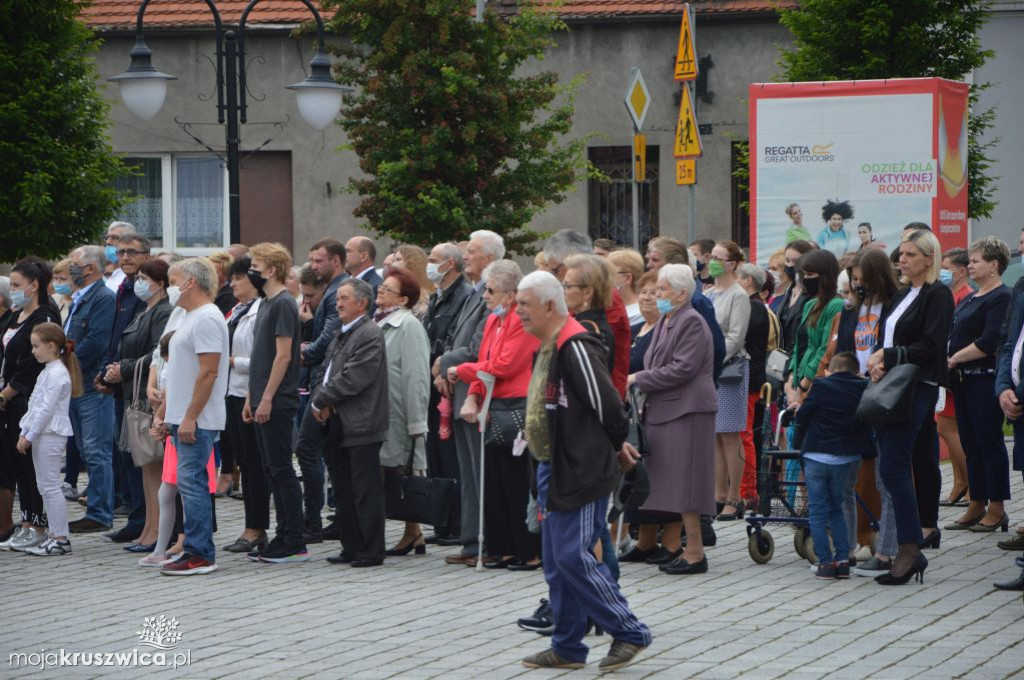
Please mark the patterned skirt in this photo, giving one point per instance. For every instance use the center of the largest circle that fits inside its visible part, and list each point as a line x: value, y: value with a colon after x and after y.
x: 732, y: 403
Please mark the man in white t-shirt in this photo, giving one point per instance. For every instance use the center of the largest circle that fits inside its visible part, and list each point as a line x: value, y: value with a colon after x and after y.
x: 193, y: 405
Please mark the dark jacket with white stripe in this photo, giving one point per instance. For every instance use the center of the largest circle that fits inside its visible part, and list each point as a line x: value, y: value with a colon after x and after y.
x: 586, y: 420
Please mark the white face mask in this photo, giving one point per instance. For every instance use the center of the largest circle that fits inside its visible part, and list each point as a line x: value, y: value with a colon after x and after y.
x: 434, y: 273
x: 173, y: 293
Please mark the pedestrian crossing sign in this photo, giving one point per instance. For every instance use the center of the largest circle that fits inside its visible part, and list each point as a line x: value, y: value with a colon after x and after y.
x: 686, y: 53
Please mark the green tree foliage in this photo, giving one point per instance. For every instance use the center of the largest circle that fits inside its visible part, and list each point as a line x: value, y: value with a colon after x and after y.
x: 865, y: 39
x: 56, y: 165
x: 450, y: 137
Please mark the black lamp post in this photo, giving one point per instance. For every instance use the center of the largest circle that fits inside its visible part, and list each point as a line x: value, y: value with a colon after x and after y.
x: 318, y: 97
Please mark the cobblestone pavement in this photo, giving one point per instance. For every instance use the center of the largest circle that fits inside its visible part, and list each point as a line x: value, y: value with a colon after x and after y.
x: 416, y: 617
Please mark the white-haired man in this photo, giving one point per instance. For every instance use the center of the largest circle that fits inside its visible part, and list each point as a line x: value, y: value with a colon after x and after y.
x: 576, y: 429
x: 115, y: 277
x: 193, y: 407
x: 465, y: 337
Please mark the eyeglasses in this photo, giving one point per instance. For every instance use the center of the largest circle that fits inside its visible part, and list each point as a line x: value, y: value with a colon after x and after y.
x: 493, y: 291
x: 130, y: 252
x: 388, y: 290
x: 567, y: 286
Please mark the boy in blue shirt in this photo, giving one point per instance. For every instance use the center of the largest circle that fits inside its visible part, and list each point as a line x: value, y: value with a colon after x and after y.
x: 834, y: 443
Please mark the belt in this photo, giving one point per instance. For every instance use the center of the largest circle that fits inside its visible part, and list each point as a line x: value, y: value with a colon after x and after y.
x: 977, y: 371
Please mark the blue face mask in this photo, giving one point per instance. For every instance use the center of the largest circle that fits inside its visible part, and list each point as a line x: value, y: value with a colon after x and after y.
x: 18, y: 298
x: 499, y: 310
x: 664, y: 306
x: 62, y: 288
x: 945, y: 276
x: 142, y: 290
x: 110, y: 252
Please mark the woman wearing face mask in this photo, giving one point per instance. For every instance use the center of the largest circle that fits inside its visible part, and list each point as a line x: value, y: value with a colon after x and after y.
x: 679, y: 417
x: 506, y: 353
x: 783, y: 284
x: 61, y: 286
x: 973, y: 341
x: 629, y: 267
x: 29, y: 282
x: 819, y: 273
x: 732, y: 311
x: 791, y: 308
x: 134, y: 354
x: 954, y: 275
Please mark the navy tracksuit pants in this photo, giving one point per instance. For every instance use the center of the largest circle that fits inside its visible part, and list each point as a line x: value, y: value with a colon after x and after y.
x: 579, y: 586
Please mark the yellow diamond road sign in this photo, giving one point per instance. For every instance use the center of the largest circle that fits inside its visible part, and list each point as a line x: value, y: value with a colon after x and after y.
x: 638, y: 99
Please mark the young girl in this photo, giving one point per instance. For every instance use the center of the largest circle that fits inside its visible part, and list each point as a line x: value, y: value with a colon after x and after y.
x: 46, y: 427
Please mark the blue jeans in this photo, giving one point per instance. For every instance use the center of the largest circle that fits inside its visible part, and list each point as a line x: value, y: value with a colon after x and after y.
x: 827, y: 488
x: 92, y: 417
x: 194, y: 487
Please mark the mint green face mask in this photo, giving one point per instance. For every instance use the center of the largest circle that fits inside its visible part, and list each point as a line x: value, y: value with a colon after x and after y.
x: 715, y: 268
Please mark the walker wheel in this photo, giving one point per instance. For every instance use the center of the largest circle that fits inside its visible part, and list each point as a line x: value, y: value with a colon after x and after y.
x: 800, y: 535
x: 809, y: 549
x: 761, y: 547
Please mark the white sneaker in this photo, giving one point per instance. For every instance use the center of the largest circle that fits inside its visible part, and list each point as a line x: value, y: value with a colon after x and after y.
x: 16, y: 537
x: 153, y: 560
x: 51, y: 546
x: 29, y: 539
x: 862, y: 553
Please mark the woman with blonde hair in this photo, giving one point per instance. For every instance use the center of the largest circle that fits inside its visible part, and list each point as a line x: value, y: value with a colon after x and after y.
x: 629, y: 267
x: 225, y: 299
x: 588, y: 293
x: 414, y: 259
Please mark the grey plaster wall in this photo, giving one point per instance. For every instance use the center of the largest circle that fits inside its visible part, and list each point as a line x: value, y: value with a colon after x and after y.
x: 743, y: 53
x: 1002, y: 34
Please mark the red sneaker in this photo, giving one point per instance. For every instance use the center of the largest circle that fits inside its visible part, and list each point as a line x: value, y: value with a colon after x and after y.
x: 187, y: 565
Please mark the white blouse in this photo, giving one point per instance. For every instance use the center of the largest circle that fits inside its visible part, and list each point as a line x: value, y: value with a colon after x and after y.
x: 49, y: 404
x: 241, y: 348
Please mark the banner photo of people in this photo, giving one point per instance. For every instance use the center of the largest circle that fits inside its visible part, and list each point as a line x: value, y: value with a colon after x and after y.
x: 847, y: 164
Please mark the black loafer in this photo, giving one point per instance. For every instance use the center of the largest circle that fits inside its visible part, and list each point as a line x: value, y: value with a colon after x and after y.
x: 523, y: 566
x: 242, y: 545
x: 331, y: 533
x: 449, y: 541
x: 313, y: 535
x: 340, y: 558
x: 683, y: 568
x: 499, y: 564
x: 663, y: 556
x: 367, y: 562
x: 635, y: 554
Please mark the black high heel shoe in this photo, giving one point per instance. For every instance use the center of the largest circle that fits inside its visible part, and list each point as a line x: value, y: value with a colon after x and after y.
x: 956, y: 499
x: 916, y: 572
x: 420, y: 549
x: 933, y: 539
x: 1003, y: 525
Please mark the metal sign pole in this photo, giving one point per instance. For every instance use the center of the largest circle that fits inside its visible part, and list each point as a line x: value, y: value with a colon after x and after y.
x: 692, y: 193
x: 634, y: 190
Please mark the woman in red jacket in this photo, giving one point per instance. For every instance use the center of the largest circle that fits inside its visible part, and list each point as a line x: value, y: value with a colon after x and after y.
x: 506, y: 353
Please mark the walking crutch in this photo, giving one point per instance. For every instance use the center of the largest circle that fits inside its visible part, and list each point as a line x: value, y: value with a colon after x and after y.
x: 481, y: 424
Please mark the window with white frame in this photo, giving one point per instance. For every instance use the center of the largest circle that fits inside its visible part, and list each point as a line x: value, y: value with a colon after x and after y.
x: 180, y: 202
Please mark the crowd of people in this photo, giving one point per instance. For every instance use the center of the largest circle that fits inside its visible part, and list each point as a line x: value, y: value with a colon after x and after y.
x: 176, y: 381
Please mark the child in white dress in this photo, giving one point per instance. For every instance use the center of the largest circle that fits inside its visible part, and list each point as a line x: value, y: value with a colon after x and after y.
x: 46, y: 427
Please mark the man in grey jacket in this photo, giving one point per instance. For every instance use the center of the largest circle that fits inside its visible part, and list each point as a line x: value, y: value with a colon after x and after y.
x: 352, y: 400
x: 327, y: 258
x: 465, y: 337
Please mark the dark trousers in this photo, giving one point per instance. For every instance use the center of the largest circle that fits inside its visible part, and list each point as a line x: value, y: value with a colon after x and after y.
x: 228, y: 455
x: 442, y: 461
x: 908, y: 455
x: 359, y: 499
x: 256, y: 489
x: 506, y: 493
x: 981, y: 433
x: 24, y: 477
x: 274, y: 439
x: 72, y: 463
x: 309, y: 450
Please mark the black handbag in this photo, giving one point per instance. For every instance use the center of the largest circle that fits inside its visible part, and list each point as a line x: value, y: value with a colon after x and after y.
x: 732, y: 371
x: 890, y: 400
x: 506, y: 418
x: 410, y: 498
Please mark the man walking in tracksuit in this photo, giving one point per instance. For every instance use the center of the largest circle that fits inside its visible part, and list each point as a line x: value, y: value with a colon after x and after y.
x: 576, y: 429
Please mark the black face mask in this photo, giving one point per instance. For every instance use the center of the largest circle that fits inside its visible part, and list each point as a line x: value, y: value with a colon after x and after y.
x: 257, y: 280
x: 860, y: 291
x: 811, y: 286
x: 700, y: 266
x: 791, y: 272
x: 77, y: 276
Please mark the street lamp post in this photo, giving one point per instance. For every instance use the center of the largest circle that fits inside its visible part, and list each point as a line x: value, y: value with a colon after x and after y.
x: 143, y: 89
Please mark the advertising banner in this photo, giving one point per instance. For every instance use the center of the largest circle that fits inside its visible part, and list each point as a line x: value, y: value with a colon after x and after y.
x: 847, y: 164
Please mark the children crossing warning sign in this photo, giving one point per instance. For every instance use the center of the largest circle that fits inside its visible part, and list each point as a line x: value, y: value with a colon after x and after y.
x: 687, y: 144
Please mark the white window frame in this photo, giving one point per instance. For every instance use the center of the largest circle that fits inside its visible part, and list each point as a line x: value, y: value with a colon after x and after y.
x: 169, y: 199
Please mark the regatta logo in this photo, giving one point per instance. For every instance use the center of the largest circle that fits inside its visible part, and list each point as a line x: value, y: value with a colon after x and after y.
x: 799, y: 153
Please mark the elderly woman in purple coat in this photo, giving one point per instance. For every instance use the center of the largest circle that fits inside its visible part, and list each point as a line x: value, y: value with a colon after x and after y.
x: 679, y: 414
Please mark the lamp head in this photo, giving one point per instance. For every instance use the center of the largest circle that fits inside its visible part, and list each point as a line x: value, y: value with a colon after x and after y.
x: 318, y: 96
x: 142, y: 87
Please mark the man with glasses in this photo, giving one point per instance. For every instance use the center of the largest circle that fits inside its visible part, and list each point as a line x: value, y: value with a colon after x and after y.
x: 112, y: 272
x: 131, y: 251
